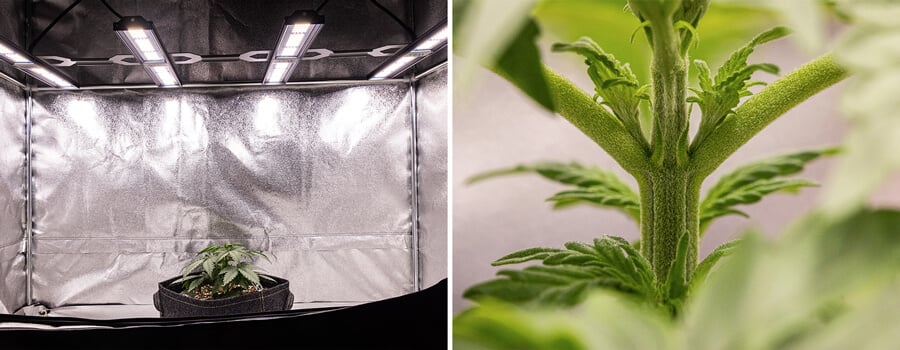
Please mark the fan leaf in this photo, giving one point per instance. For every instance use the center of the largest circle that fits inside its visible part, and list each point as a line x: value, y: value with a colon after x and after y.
x: 749, y: 183
x: 567, y: 275
x: 614, y: 83
x: 593, y: 185
x: 718, y: 97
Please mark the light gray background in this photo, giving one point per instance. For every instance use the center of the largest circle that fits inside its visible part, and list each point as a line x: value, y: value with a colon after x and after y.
x: 495, y: 125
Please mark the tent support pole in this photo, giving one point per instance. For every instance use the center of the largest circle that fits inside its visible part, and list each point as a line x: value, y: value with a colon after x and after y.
x: 29, y: 202
x: 414, y: 184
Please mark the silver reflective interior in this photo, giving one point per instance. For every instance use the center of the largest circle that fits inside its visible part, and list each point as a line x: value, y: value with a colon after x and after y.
x: 12, y: 197
x: 129, y: 184
x: 432, y: 150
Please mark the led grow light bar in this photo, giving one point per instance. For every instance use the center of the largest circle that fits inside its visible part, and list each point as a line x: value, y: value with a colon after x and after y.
x: 434, y: 40
x: 299, y: 31
x: 139, y: 35
x: 24, y: 62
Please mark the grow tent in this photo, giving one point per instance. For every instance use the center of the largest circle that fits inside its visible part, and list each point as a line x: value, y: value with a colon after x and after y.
x: 111, y: 187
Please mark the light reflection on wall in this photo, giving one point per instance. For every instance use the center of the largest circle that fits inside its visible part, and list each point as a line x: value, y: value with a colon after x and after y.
x: 84, y: 114
x: 182, y: 124
x: 267, y: 121
x: 349, y: 125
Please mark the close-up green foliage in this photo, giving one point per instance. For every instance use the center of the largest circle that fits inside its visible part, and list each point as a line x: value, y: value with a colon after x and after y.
x: 826, y: 282
x: 222, y: 271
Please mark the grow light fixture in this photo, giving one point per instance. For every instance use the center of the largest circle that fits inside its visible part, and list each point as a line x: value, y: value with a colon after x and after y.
x: 139, y: 35
x: 26, y: 63
x: 434, y: 40
x: 299, y: 31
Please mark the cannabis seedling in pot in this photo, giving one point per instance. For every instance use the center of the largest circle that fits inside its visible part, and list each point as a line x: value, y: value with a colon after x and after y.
x: 222, y: 271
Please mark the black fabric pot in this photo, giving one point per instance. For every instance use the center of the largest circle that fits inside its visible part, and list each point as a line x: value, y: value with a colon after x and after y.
x: 275, y: 296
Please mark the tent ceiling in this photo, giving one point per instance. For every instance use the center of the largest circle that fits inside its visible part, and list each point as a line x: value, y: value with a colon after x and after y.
x: 221, y: 30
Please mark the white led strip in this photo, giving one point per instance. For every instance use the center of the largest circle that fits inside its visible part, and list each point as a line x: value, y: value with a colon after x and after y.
x: 422, y: 49
x: 22, y: 61
x: 12, y: 55
x: 297, y: 34
x: 293, y: 43
x: 143, y: 40
x: 433, y: 41
x: 394, y: 67
x: 278, y: 72
x: 164, y: 75
x: 51, y: 77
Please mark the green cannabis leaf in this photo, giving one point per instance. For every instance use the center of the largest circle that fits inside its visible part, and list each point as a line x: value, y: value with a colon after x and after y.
x: 676, y: 286
x: 614, y: 83
x: 870, y: 103
x: 749, y: 183
x: 593, y: 185
x: 604, y: 321
x: 822, y: 286
x: 478, y: 28
x: 567, y: 275
x: 718, y: 97
x: 706, y: 266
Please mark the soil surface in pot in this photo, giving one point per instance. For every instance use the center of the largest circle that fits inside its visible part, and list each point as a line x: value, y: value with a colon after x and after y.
x: 207, y: 292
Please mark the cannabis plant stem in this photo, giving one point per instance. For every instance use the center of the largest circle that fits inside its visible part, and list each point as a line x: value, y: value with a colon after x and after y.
x: 669, y: 81
x: 596, y: 122
x: 763, y: 108
x: 669, y: 208
x: 669, y: 192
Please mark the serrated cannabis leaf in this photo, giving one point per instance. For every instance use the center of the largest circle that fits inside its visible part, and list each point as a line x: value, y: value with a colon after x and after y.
x: 768, y: 295
x: 614, y: 83
x: 677, y: 281
x: 749, y: 183
x: 594, y: 186
x: 748, y: 194
x: 706, y: 266
x: 526, y: 255
x: 230, y: 273
x: 568, y: 274
x: 599, y: 195
x: 718, y: 97
x: 248, y: 273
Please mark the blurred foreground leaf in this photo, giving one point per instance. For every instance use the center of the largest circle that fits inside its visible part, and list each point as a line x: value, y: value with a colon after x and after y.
x: 824, y: 285
x: 604, y: 321
x: 870, y: 101
x: 500, y: 35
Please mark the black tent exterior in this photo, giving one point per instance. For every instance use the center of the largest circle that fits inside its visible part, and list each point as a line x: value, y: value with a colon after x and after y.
x: 367, y: 326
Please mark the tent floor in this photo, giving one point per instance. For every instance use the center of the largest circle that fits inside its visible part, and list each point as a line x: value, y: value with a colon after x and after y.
x: 110, y: 312
x: 414, y: 321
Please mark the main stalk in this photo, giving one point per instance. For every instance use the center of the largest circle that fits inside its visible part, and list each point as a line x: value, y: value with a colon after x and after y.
x: 669, y: 209
x: 669, y: 190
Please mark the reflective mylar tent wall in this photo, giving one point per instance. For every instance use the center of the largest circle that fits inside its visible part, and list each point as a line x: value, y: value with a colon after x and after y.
x: 12, y: 197
x: 12, y: 170
x: 344, y: 184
